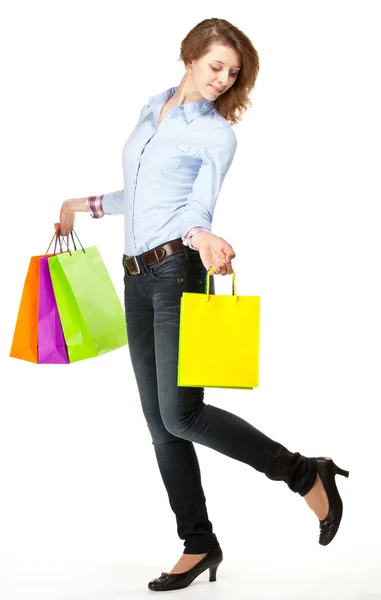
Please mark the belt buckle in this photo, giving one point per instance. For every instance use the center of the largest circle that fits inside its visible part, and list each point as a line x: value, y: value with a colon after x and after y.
x: 137, y: 265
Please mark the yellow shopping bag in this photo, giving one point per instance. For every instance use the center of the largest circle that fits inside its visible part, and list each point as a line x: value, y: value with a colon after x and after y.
x: 226, y: 351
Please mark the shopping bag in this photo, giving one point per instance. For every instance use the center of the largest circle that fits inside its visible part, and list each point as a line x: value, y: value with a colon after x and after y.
x: 91, y: 314
x: 24, y: 343
x: 227, y: 353
x: 25, y: 337
x: 52, y: 348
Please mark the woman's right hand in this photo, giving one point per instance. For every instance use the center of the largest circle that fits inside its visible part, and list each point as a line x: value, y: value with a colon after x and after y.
x: 67, y: 218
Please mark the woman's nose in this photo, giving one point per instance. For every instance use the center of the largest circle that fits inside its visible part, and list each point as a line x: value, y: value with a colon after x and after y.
x: 223, y: 80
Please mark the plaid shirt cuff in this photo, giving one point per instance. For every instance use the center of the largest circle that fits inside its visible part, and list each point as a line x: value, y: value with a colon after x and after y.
x: 93, y: 205
x: 187, y: 241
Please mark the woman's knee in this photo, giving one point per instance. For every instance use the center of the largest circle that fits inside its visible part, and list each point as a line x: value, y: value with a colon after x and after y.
x: 175, y: 425
x: 181, y: 424
x: 180, y: 415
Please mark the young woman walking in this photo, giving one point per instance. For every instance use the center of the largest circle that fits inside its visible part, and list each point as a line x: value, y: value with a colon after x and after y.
x: 174, y: 164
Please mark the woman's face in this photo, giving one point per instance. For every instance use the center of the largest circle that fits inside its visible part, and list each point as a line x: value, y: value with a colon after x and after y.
x: 215, y: 72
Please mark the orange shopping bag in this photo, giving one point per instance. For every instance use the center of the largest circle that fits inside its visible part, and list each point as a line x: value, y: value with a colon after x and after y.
x: 24, y: 343
x: 25, y: 337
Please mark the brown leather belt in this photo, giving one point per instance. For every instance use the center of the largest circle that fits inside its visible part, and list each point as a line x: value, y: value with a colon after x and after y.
x: 133, y: 264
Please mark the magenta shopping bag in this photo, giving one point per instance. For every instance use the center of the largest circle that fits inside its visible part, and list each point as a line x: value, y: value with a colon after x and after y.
x: 51, y: 342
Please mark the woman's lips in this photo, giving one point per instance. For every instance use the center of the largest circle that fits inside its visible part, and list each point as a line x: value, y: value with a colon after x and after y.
x: 217, y: 91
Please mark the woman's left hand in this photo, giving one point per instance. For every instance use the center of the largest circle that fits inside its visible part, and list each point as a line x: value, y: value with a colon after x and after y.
x: 215, y: 251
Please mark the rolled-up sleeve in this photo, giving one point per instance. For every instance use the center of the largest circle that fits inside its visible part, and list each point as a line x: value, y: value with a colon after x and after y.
x: 93, y: 205
x: 201, y: 202
x: 105, y: 204
x: 113, y: 203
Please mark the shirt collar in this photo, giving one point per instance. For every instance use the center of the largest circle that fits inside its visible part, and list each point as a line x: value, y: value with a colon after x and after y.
x: 191, y: 109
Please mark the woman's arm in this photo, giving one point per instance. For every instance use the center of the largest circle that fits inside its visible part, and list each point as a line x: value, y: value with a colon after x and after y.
x: 67, y: 214
x: 97, y: 206
x: 196, y: 216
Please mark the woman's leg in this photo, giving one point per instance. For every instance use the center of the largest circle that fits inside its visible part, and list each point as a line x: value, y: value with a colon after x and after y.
x: 176, y: 457
x: 183, y: 410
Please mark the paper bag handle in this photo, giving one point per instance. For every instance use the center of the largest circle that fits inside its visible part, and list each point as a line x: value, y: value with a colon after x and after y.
x: 67, y: 246
x: 55, y: 243
x: 234, y: 284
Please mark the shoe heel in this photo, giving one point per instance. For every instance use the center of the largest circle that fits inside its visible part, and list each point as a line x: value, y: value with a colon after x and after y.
x: 213, y: 572
x: 338, y: 471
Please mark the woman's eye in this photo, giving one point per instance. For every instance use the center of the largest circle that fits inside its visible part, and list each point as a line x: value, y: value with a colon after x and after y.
x: 232, y: 74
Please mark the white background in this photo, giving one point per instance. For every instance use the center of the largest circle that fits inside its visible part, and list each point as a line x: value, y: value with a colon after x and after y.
x: 80, y: 488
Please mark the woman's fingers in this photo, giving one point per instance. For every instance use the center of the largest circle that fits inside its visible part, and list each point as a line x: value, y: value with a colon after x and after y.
x: 222, y: 260
x: 222, y: 268
x: 67, y: 219
x: 67, y: 223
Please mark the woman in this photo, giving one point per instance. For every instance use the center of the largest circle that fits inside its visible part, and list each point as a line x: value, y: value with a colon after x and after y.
x: 174, y: 164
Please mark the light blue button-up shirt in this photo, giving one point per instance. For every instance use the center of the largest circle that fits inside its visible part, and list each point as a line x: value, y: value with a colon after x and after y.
x: 172, y: 174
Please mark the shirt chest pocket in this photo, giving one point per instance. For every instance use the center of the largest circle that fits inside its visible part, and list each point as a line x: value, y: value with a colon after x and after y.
x: 179, y: 155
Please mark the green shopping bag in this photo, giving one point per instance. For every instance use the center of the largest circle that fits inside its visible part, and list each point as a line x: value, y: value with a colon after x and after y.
x: 92, y: 317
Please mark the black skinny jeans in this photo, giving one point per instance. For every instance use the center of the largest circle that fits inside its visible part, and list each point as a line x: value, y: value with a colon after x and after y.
x: 177, y: 416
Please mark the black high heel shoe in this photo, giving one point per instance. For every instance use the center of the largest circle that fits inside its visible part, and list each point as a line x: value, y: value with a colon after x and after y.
x: 328, y: 527
x: 177, y: 581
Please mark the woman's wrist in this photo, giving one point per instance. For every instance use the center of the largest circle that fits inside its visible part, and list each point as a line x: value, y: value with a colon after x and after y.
x: 74, y: 205
x: 199, y: 238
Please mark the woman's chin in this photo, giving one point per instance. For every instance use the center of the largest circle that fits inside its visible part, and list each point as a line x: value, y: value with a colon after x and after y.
x: 211, y: 92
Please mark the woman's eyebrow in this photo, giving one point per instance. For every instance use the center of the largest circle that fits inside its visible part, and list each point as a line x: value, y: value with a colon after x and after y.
x: 222, y: 63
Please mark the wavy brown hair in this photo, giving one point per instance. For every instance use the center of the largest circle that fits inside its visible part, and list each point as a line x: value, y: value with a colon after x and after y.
x: 235, y: 101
